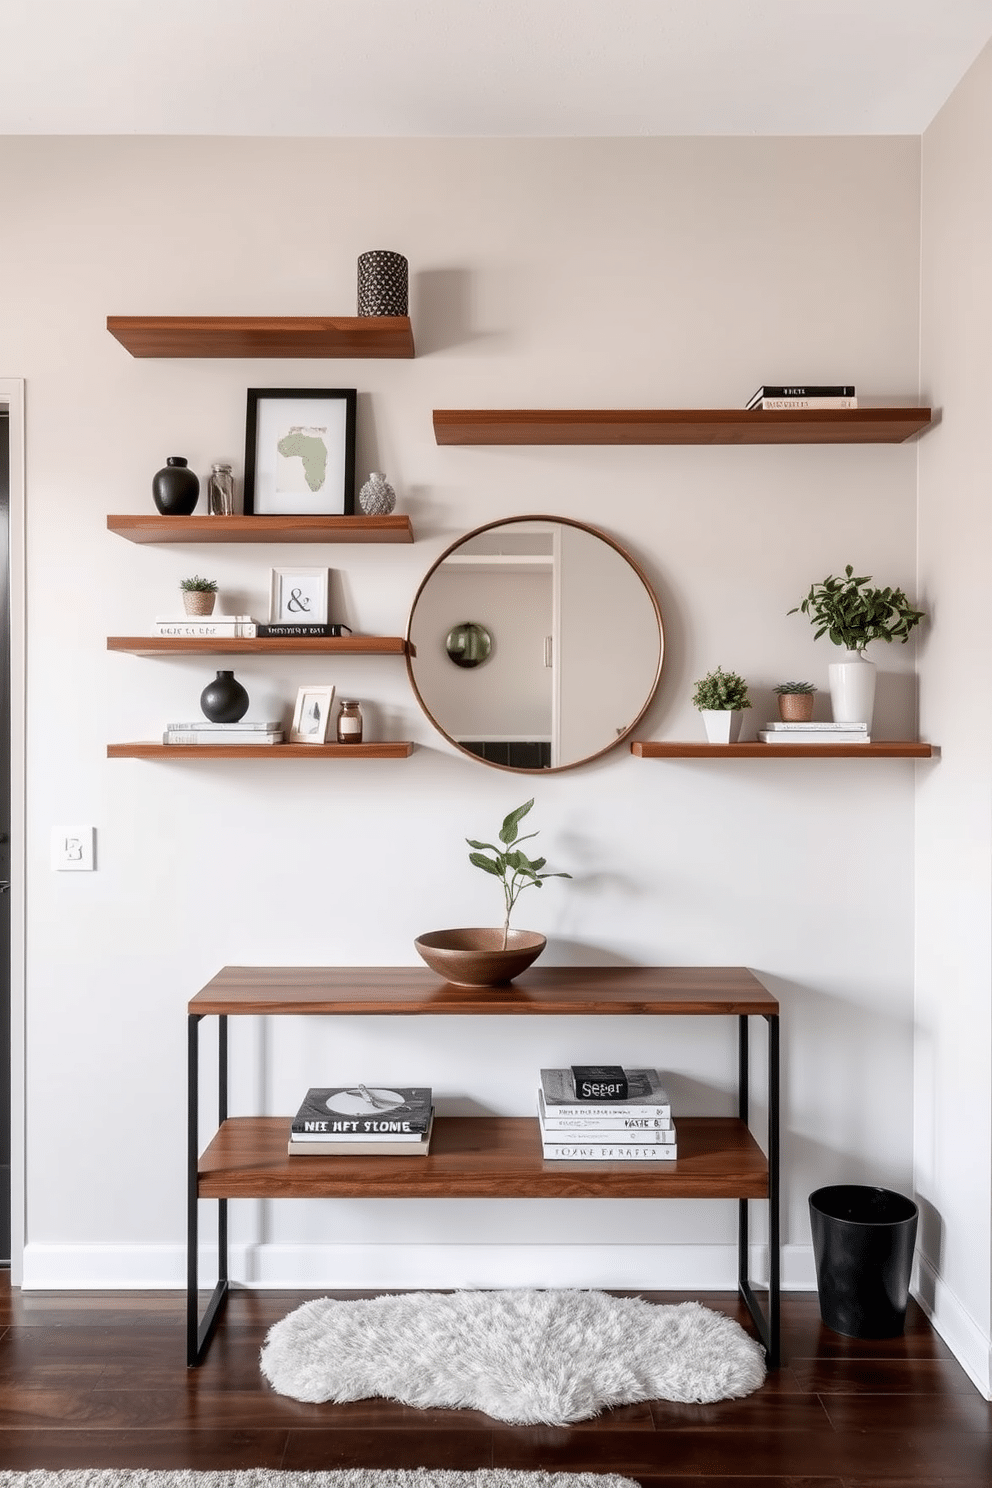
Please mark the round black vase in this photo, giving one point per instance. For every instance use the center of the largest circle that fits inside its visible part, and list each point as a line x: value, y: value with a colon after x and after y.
x: 383, y: 283
x: 175, y: 487
x: 224, y: 700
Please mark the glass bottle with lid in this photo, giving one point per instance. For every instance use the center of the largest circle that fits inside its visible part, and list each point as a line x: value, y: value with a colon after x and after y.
x: 220, y: 491
x: 350, y: 722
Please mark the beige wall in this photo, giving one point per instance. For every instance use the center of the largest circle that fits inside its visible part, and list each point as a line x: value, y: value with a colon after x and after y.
x: 565, y: 273
x: 953, y: 1136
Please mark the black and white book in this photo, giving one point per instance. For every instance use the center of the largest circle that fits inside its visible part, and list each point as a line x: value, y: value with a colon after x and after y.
x: 813, y: 726
x: 802, y: 390
x: 364, y: 1110
x: 646, y: 1095
x: 815, y: 736
x: 243, y: 726
x: 233, y: 736
x: 617, y: 1125
x: 599, y: 1082
x: 621, y: 1152
x: 291, y: 630
x: 607, y: 1136
x: 802, y: 404
x: 397, y: 1145
x: 221, y: 627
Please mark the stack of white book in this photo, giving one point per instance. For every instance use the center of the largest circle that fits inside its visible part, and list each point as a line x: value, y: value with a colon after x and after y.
x: 206, y: 627
x: 803, y: 396
x: 363, y: 1120
x: 814, y: 733
x: 637, y: 1128
x: 247, y: 731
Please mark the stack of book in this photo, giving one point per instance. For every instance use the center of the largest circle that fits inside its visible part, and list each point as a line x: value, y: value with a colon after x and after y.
x: 814, y: 733
x: 631, y: 1122
x: 363, y: 1120
x: 206, y: 627
x: 804, y: 396
x: 247, y: 731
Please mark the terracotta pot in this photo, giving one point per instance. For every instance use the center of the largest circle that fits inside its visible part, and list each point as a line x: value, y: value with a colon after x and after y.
x: 795, y: 707
x: 475, y: 958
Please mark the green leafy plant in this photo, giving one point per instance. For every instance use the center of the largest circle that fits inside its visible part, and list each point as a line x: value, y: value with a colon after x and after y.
x: 720, y: 691
x: 853, y: 613
x: 198, y: 585
x: 793, y: 687
x: 516, y: 871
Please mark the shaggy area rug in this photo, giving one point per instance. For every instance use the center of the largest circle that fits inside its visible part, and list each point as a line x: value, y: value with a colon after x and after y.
x: 356, y: 1477
x: 526, y: 1356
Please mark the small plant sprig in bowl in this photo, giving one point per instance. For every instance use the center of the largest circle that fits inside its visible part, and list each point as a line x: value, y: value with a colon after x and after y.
x: 794, y: 688
x: 721, y: 691
x: 516, y: 871
x: 196, y: 585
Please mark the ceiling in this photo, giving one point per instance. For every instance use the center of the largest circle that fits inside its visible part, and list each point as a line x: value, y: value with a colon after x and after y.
x: 483, y: 67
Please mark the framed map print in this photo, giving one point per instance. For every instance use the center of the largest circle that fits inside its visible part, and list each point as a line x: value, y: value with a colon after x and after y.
x: 300, y: 452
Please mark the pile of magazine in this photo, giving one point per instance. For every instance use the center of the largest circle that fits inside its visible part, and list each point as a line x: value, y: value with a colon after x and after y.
x: 605, y: 1113
x: 363, y: 1120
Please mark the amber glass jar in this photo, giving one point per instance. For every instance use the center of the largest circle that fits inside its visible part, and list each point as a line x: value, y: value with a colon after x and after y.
x: 349, y: 723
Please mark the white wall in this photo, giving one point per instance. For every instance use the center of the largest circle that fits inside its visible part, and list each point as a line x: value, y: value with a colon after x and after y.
x: 559, y: 273
x: 953, y: 1140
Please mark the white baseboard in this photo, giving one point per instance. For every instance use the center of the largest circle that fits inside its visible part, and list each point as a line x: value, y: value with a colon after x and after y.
x: 969, y: 1344
x: 310, y: 1267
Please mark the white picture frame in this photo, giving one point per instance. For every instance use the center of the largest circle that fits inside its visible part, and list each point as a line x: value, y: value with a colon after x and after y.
x: 312, y: 715
x: 299, y: 596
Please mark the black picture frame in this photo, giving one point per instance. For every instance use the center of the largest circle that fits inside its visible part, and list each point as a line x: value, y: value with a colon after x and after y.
x: 300, y: 482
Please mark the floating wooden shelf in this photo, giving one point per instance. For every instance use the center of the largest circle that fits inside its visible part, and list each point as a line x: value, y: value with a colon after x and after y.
x: 353, y: 645
x: 881, y: 749
x: 241, y: 529
x: 677, y: 425
x: 389, y: 749
x: 323, y: 336
x: 478, y: 1158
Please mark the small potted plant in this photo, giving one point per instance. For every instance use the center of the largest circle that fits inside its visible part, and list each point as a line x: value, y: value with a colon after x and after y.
x: 795, y: 701
x: 853, y: 613
x: 199, y: 595
x: 483, y: 957
x: 721, y: 697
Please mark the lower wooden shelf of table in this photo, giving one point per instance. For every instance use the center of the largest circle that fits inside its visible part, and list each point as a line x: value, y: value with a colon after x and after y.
x: 479, y: 1157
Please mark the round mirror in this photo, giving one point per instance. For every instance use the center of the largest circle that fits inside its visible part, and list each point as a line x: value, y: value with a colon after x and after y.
x: 468, y: 644
x: 580, y: 643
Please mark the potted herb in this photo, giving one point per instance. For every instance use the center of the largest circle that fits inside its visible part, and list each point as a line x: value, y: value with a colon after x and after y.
x: 721, y: 698
x: 483, y: 957
x: 199, y: 595
x: 853, y: 612
x: 795, y: 701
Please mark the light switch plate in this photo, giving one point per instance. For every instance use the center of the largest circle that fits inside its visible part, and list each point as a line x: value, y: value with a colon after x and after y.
x: 73, y: 849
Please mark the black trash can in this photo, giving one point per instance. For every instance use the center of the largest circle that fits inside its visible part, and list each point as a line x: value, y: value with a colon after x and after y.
x: 863, y: 1243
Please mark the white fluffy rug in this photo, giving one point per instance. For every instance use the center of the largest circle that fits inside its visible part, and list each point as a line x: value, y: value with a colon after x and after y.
x: 353, y: 1477
x: 521, y: 1355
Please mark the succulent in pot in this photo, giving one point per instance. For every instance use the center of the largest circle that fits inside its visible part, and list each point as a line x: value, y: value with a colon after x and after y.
x: 795, y: 701
x: 199, y: 595
x: 721, y: 698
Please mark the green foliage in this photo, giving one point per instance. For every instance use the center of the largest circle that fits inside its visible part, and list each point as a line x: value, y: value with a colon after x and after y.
x: 853, y: 614
x: 512, y: 867
x: 794, y: 687
x: 720, y: 691
x: 201, y: 586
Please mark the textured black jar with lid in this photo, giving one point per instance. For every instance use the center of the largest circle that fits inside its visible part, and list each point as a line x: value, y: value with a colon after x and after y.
x: 175, y: 488
x: 224, y: 700
x: 383, y: 283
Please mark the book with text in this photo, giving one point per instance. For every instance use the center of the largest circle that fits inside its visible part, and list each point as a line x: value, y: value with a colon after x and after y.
x: 801, y: 390
x: 291, y: 629
x: 803, y: 404
x: 338, y: 1146
x: 365, y: 1110
x: 619, y: 1127
x: 622, y: 1152
x: 261, y: 726
x: 814, y: 725
x: 647, y: 1096
x: 815, y: 736
x: 205, y: 736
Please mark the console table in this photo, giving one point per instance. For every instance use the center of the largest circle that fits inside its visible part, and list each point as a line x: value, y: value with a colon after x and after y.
x: 483, y: 1157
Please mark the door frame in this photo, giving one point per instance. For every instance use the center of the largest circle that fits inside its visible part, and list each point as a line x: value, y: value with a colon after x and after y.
x: 12, y: 398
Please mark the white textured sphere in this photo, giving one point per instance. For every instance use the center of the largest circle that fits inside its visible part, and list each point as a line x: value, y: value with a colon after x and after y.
x: 377, y: 497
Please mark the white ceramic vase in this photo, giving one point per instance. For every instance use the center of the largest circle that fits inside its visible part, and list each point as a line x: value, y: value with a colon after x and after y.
x: 852, y: 688
x: 722, y: 725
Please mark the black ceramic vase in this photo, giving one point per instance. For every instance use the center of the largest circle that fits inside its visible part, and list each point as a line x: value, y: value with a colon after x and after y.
x: 176, y: 488
x: 224, y: 700
x: 383, y: 283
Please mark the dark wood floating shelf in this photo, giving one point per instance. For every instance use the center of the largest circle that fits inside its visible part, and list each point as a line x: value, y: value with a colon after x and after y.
x: 353, y: 645
x: 242, y: 529
x: 677, y: 425
x: 390, y: 749
x: 481, y: 1157
x: 382, y: 336
x: 880, y: 749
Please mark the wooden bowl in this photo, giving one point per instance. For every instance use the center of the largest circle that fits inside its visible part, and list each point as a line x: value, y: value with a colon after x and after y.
x: 475, y: 958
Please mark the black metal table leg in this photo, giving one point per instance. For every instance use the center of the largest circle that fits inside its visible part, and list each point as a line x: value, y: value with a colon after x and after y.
x: 767, y: 1324
x: 198, y: 1334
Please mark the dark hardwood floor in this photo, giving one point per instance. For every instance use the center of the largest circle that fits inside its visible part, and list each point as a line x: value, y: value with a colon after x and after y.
x: 99, y: 1380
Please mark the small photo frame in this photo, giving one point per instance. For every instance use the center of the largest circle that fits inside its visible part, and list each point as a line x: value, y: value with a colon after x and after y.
x: 300, y: 452
x: 312, y: 715
x: 299, y: 596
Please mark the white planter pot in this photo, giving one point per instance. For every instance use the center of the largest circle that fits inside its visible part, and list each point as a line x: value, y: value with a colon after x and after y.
x: 722, y: 725
x: 852, y: 688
